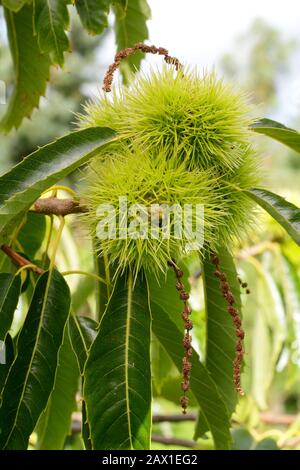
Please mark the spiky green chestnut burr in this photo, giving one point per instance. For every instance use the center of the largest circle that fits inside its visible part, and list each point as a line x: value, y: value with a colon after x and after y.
x: 198, y: 117
x: 183, y: 138
x: 149, y: 186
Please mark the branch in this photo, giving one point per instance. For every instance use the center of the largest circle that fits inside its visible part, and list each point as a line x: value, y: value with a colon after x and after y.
x: 55, y: 206
x: 176, y: 418
x: 19, y: 260
x: 173, y: 441
x: 292, y: 442
x: 284, y: 419
x: 255, y: 250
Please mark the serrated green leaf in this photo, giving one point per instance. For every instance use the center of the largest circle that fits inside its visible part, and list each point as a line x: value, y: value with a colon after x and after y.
x: 30, y: 65
x: 169, y: 389
x: 121, y: 3
x: 32, y: 234
x: 83, y: 331
x: 10, y: 287
x: 21, y: 186
x: 55, y: 422
x: 284, y: 212
x: 161, y: 365
x: 202, y: 385
x: 221, y: 339
x: 102, y: 290
x: 5, y: 263
x: 31, y: 377
x: 117, y: 388
x: 279, y: 132
x: 269, y: 333
x: 51, y: 19
x: 93, y: 14
x: 164, y: 293
x: 130, y: 28
x: 291, y: 293
x: 261, y: 353
x: 15, y: 5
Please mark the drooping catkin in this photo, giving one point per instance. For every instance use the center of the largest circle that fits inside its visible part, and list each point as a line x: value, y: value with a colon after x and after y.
x: 237, y: 322
x: 187, y: 339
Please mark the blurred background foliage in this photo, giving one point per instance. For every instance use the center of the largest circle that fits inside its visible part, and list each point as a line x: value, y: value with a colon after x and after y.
x: 268, y: 417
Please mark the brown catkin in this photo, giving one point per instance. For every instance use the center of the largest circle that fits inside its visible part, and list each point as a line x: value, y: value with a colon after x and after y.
x: 109, y: 76
x: 237, y: 322
x: 187, y: 339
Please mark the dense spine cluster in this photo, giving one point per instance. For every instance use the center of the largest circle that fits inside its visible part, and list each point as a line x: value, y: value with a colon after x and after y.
x: 187, y: 339
x: 233, y: 311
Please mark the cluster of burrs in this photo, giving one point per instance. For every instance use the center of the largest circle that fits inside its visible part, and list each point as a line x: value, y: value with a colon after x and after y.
x: 233, y: 311
x: 187, y: 339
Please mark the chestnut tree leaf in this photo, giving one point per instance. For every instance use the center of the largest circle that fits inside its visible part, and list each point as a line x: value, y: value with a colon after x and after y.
x: 31, y: 68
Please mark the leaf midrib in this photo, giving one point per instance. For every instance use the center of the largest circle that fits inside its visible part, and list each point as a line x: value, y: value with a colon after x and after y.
x: 127, y: 336
x: 52, y: 28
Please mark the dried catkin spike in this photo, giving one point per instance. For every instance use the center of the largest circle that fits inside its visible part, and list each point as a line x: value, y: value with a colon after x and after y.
x: 187, y: 339
x: 237, y: 322
x: 108, y: 79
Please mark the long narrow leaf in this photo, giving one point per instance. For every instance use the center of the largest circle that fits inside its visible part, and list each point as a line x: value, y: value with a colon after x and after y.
x: 51, y: 19
x: 284, y: 212
x: 21, y: 186
x: 32, y: 375
x: 130, y: 28
x: 220, y: 351
x: 202, y: 385
x: 55, y: 422
x: 83, y: 331
x: 117, y: 387
x: 279, y: 132
x: 7, y: 354
x: 10, y: 287
x: 32, y: 68
x: 93, y: 14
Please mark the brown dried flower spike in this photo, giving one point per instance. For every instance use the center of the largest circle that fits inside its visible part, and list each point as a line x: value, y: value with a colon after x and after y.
x: 187, y: 339
x: 108, y: 79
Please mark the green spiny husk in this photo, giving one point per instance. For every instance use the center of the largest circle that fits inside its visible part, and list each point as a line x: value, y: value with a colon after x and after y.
x: 184, y: 138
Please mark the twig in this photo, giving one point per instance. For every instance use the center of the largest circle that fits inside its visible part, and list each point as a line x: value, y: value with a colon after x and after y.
x: 173, y: 441
x: 255, y: 250
x: 109, y: 76
x: 176, y: 418
x: 55, y: 206
x: 292, y: 442
x: 19, y: 260
x: 284, y: 419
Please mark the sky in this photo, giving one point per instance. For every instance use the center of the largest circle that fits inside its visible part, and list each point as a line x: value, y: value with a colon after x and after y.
x: 199, y: 32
